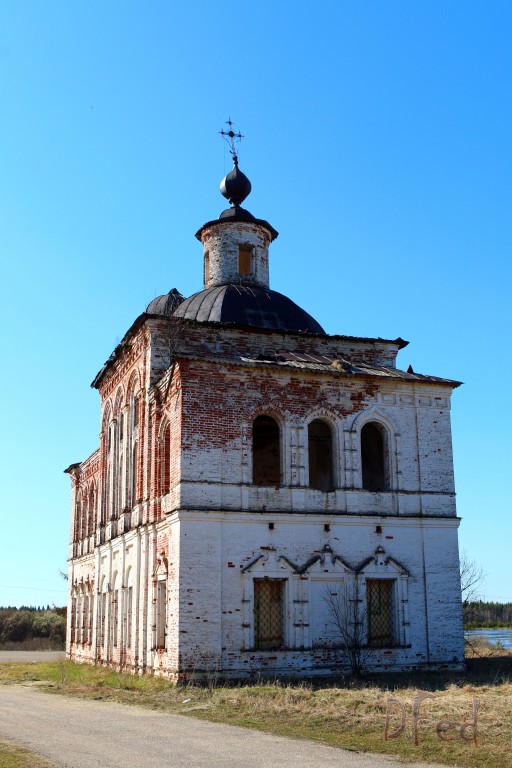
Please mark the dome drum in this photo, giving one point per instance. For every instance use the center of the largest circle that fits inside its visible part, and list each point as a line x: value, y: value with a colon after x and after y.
x: 236, y: 253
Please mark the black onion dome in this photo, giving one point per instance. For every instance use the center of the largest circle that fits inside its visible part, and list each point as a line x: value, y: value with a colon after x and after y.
x: 247, y: 305
x: 166, y: 304
x: 235, y: 186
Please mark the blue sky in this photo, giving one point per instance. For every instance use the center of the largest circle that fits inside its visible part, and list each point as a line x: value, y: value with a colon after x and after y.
x: 378, y: 145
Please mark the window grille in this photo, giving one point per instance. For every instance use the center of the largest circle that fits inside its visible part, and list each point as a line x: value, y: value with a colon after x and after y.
x: 268, y: 613
x: 379, y: 603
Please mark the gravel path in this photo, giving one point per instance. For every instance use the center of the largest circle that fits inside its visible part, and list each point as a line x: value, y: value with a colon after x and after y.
x: 29, y: 656
x: 78, y: 733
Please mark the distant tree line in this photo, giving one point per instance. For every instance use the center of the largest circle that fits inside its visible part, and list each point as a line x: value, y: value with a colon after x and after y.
x: 18, y: 625
x: 482, y: 615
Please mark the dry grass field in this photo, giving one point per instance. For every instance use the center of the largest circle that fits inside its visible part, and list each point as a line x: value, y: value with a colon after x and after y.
x: 14, y: 756
x: 343, y: 714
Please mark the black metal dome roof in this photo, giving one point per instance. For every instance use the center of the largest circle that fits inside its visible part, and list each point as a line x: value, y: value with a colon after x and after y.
x: 247, y: 305
x: 235, y: 187
x: 166, y: 304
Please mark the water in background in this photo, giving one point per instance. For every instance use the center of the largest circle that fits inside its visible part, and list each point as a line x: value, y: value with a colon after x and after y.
x: 501, y: 636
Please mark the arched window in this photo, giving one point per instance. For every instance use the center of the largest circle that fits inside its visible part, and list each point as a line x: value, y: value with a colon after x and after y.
x: 206, y: 268
x: 134, y: 473
x: 373, y: 458
x: 78, y: 514
x: 266, y: 453
x: 91, y: 517
x: 165, y: 461
x: 321, y: 475
x: 114, y: 612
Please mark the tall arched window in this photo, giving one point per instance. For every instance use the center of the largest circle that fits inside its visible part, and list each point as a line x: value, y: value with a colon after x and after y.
x: 91, y: 517
x: 165, y: 461
x: 373, y: 458
x: 134, y: 473
x: 266, y: 453
x: 321, y: 474
x: 78, y: 515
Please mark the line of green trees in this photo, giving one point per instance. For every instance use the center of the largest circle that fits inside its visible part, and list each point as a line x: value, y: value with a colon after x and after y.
x: 482, y: 615
x: 28, y: 623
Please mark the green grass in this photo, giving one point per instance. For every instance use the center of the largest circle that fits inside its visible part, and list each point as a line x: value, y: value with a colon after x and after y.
x: 347, y: 715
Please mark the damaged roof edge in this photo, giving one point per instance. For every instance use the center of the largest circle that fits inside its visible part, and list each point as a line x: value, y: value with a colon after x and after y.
x: 95, y: 383
x: 72, y: 467
x: 141, y: 319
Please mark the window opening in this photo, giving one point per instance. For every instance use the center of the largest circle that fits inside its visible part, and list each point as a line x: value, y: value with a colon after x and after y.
x: 102, y: 616
x: 85, y: 617
x: 268, y: 613
x: 379, y: 604
x: 134, y: 472
x: 161, y: 612
x: 206, y: 267
x: 321, y: 475
x: 91, y: 617
x: 244, y: 260
x: 115, y: 614
x: 266, y: 458
x: 73, y: 619
x: 165, y: 461
x: 129, y: 605
x: 373, y: 458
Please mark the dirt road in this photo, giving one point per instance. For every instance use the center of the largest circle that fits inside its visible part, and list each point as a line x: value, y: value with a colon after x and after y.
x: 76, y: 733
x: 30, y: 656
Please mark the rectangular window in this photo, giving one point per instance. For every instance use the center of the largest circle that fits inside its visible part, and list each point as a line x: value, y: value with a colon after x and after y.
x: 245, y: 261
x: 379, y: 605
x: 85, y: 615
x: 206, y: 267
x: 161, y: 612
x: 114, y: 618
x: 268, y: 613
x: 91, y: 618
x: 73, y: 619
x: 102, y: 606
x: 129, y: 605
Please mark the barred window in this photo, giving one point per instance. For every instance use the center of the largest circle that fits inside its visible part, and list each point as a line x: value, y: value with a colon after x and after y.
x: 379, y: 604
x: 268, y: 613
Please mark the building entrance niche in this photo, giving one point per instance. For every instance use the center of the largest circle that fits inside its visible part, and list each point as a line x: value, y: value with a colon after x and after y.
x: 266, y: 458
x: 321, y: 475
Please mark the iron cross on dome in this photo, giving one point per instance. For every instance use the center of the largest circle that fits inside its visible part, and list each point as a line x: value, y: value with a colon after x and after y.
x: 232, y: 138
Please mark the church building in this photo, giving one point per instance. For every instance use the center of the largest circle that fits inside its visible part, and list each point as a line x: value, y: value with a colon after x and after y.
x: 266, y: 499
